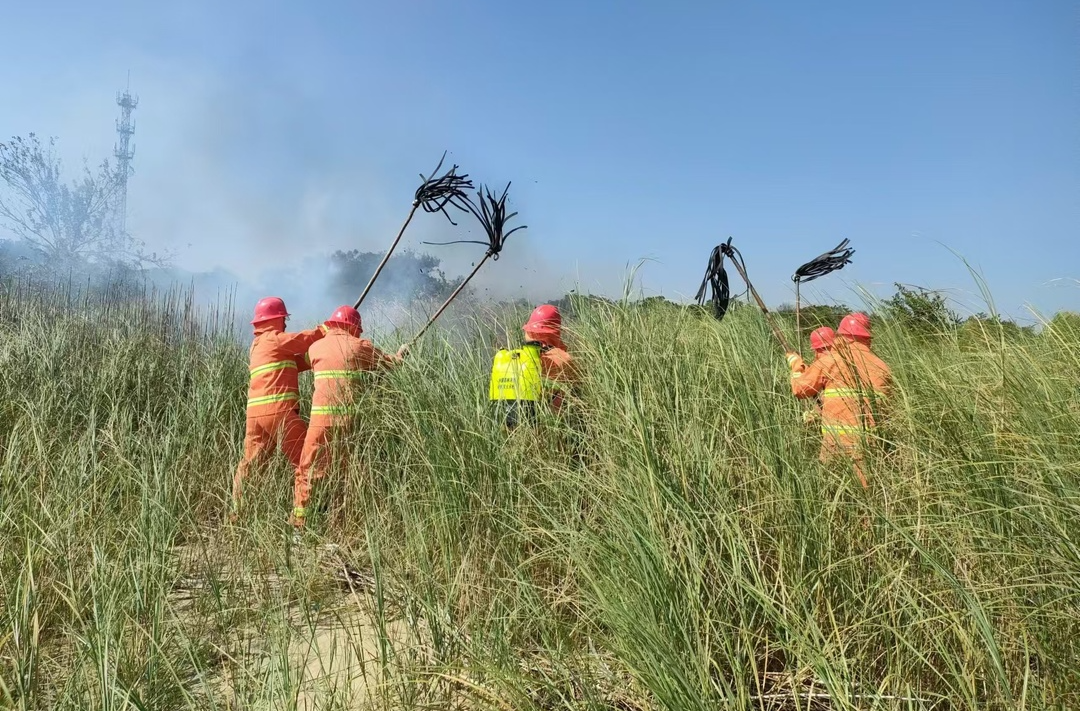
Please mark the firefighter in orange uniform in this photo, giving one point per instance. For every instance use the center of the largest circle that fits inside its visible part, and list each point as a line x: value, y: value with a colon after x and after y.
x: 273, y: 405
x: 821, y: 341
x: 557, y: 366
x: 853, y: 384
x: 339, y: 362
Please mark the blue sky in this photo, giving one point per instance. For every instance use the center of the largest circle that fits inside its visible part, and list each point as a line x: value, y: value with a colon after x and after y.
x: 630, y: 130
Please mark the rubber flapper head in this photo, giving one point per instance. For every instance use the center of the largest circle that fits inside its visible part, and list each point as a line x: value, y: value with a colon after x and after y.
x: 822, y: 339
x: 268, y: 309
x: 855, y: 326
x: 346, y: 316
x: 545, y: 320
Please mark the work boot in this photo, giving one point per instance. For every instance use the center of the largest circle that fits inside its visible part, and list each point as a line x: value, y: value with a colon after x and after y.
x: 298, y: 518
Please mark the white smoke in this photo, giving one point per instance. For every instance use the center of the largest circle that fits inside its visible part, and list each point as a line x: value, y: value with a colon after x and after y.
x: 267, y: 229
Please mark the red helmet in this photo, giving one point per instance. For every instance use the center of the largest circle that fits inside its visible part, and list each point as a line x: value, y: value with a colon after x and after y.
x: 822, y: 338
x: 861, y: 318
x: 855, y: 326
x: 269, y: 309
x: 544, y: 320
x: 346, y: 316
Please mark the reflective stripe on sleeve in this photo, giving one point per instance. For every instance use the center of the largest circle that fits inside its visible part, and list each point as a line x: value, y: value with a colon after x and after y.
x: 841, y: 430
x: 851, y: 392
x: 555, y: 385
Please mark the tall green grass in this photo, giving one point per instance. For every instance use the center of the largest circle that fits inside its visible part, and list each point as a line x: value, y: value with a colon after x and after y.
x: 673, y: 543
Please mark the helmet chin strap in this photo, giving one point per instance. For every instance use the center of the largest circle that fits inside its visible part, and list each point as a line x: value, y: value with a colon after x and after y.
x: 545, y: 340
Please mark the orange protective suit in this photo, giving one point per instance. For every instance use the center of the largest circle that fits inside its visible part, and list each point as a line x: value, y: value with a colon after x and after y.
x: 273, y: 406
x: 557, y: 367
x: 853, y: 384
x: 339, y: 361
x: 821, y: 340
x: 798, y: 367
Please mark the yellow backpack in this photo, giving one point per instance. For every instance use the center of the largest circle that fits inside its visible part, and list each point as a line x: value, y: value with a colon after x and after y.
x: 516, y: 383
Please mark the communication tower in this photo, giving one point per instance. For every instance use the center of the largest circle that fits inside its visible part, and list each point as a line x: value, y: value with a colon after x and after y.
x: 125, y: 151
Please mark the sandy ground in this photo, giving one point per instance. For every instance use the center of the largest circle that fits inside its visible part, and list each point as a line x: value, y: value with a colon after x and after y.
x: 338, y: 656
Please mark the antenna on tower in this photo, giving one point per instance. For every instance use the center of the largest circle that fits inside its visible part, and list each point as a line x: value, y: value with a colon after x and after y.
x: 125, y: 151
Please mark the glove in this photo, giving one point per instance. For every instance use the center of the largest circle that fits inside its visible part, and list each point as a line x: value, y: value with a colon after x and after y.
x: 403, y: 351
x: 809, y: 416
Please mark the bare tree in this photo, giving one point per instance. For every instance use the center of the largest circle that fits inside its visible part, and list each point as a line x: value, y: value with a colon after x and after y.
x: 68, y: 225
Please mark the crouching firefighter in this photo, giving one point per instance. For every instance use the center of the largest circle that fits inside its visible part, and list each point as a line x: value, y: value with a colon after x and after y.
x: 539, y: 373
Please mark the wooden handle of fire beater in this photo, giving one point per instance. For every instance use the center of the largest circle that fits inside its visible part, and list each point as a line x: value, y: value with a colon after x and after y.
x: 449, y: 299
x: 386, y: 257
x: 764, y: 310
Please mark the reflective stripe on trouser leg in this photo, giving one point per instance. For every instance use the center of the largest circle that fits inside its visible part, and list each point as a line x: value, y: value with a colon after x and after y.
x: 272, y: 399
